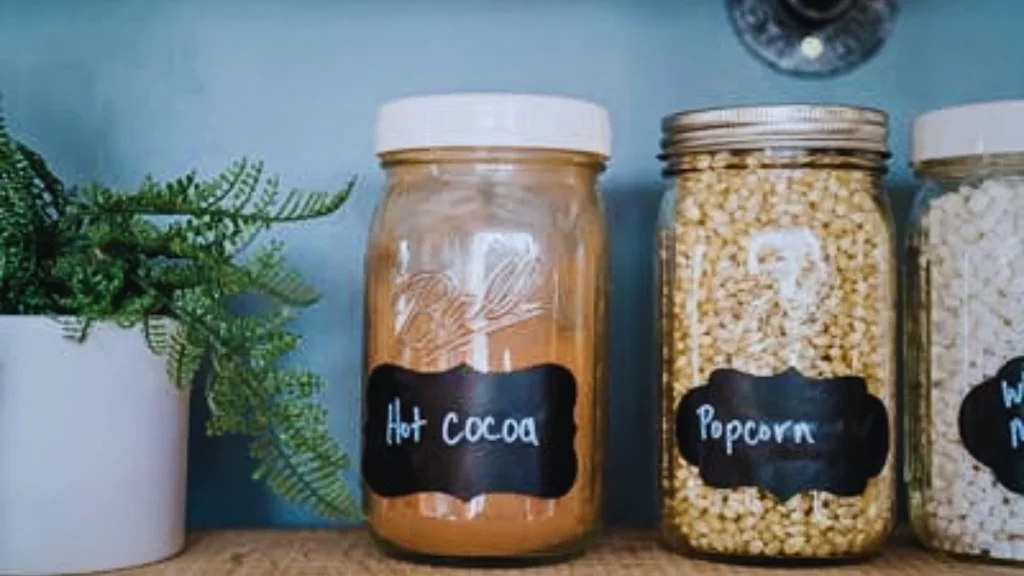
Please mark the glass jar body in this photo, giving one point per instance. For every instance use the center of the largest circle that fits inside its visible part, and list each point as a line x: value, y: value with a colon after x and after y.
x: 486, y: 269
x: 964, y: 321
x: 778, y: 355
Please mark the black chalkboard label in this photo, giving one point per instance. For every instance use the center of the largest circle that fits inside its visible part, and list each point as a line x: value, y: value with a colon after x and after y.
x: 991, y: 424
x: 467, y: 433
x: 785, y: 433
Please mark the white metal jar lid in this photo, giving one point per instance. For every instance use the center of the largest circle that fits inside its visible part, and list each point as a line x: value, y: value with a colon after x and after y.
x: 504, y: 120
x: 968, y: 130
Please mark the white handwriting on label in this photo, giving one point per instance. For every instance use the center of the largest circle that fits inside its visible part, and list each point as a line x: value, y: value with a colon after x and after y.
x: 473, y: 430
x: 476, y: 429
x: 398, y: 429
x: 750, y: 432
x: 1013, y: 396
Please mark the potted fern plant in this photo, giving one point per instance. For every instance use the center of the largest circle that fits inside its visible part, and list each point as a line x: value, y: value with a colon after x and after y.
x: 109, y: 302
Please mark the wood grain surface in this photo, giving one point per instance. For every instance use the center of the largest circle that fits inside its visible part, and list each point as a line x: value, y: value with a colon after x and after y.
x: 620, y: 553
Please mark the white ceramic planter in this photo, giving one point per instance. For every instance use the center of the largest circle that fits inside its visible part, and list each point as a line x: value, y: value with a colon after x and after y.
x: 92, y: 451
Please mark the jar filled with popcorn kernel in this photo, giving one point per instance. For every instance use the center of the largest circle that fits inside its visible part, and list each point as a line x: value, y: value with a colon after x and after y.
x: 965, y: 329
x: 778, y: 335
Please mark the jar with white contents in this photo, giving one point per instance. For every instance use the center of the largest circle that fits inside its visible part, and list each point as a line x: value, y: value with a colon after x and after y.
x: 965, y: 329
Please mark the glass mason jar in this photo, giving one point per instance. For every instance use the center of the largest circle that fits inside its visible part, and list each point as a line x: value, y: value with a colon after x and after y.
x: 965, y: 332
x: 485, y: 331
x: 777, y: 281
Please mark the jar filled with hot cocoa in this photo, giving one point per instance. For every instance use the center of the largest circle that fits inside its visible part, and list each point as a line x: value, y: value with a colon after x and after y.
x: 485, y: 329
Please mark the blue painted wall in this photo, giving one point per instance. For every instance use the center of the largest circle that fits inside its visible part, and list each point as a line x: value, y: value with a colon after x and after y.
x: 115, y: 89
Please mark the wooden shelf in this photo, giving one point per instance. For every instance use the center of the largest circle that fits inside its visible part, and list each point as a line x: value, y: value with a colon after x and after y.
x: 350, y: 552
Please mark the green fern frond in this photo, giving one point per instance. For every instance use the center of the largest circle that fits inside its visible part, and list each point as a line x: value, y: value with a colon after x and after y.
x: 299, y: 205
x: 183, y: 359
x: 190, y: 197
x: 50, y: 186
x: 158, y: 331
x: 266, y: 273
x: 74, y: 327
x: 248, y: 393
x: 28, y: 228
x: 249, y: 180
x: 303, y: 480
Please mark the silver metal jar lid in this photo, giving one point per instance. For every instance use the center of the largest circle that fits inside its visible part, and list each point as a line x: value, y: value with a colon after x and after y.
x: 779, y: 126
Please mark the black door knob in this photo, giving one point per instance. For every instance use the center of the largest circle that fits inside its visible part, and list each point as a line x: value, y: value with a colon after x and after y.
x: 813, y: 37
